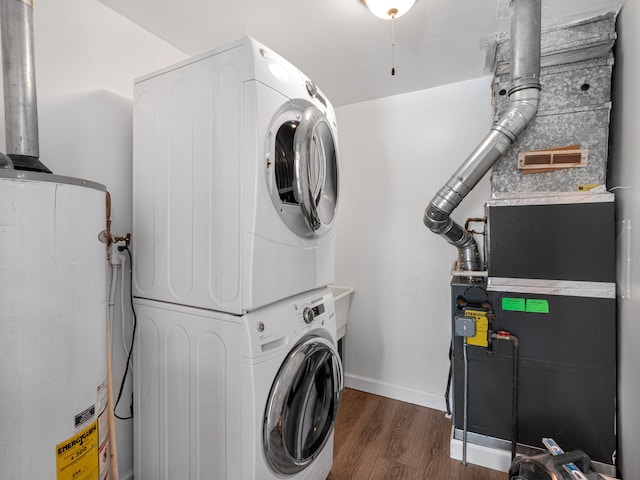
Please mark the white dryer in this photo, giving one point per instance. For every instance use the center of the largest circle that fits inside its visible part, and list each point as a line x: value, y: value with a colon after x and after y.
x: 235, y: 181
x: 226, y: 397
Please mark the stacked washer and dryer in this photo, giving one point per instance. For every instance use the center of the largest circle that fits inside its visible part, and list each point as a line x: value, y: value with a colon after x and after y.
x: 236, y: 369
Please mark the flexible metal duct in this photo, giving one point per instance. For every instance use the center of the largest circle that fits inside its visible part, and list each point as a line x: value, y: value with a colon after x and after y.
x: 524, y: 96
x: 20, y: 105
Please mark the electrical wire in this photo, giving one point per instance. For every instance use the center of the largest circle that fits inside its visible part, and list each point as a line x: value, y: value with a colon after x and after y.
x: 133, y: 338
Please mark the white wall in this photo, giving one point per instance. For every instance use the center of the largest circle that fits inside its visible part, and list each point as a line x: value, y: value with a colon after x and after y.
x: 395, y: 153
x: 625, y: 178
x: 86, y: 59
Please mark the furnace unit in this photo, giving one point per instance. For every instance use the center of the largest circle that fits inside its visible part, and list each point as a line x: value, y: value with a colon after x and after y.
x: 551, y: 283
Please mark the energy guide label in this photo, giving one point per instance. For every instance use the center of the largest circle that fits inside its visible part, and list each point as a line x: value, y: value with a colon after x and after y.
x: 77, y: 457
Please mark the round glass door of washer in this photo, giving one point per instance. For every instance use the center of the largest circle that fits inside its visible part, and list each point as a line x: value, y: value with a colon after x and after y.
x: 302, y: 406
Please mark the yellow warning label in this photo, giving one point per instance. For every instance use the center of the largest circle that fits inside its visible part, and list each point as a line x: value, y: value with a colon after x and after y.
x: 77, y: 457
x: 587, y: 187
x: 482, y: 327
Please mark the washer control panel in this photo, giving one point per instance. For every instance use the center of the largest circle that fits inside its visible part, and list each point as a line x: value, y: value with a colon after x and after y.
x: 282, y: 324
x: 310, y: 313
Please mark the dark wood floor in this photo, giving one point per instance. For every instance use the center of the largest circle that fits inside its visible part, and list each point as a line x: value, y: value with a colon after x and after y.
x: 383, y: 439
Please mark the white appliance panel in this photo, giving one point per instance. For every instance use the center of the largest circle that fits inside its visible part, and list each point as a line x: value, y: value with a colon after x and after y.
x: 187, y: 200
x: 187, y: 385
x: 202, y: 381
x: 52, y: 320
x: 206, y: 232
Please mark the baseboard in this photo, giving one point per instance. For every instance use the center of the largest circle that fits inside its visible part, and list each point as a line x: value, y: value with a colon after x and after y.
x: 126, y: 476
x: 404, y: 394
x: 494, y: 458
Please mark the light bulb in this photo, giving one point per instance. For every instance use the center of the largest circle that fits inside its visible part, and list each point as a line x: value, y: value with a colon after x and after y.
x: 382, y: 8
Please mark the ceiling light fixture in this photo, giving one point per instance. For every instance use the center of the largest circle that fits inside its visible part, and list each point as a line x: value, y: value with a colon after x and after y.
x: 390, y: 10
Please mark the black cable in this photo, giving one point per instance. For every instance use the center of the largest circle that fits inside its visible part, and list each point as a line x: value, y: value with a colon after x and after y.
x: 447, y: 393
x: 133, y: 339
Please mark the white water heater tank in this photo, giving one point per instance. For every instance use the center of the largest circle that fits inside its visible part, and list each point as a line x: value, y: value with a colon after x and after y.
x: 53, y: 368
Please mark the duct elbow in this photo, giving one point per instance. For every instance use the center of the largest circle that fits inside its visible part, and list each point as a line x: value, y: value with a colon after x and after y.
x: 440, y: 223
x: 523, y: 106
x: 526, y: 101
x: 469, y: 258
x: 435, y: 219
x: 5, y: 162
x: 430, y: 224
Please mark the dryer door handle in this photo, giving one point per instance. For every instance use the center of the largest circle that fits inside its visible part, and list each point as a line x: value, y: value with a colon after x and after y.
x: 316, y: 170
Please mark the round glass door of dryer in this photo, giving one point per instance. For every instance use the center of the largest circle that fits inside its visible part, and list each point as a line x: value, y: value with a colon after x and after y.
x: 302, y: 406
x: 302, y: 168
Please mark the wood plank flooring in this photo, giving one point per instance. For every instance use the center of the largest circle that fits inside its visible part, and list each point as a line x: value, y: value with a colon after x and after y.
x: 378, y: 438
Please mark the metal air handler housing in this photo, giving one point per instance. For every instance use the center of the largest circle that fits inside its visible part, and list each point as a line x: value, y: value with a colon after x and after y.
x: 551, y: 282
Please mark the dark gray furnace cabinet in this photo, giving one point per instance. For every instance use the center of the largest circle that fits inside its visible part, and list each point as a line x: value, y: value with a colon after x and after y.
x: 552, y: 284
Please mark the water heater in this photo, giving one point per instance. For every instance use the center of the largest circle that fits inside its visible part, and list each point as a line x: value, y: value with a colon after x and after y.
x: 53, y: 394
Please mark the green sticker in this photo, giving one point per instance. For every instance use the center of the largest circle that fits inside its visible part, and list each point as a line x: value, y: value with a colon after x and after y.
x: 537, y: 306
x: 513, y: 304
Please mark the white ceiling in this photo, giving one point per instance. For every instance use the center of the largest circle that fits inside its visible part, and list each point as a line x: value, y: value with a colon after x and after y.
x: 343, y: 47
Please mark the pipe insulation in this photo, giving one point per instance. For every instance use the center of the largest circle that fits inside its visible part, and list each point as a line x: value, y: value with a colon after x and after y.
x: 20, y: 105
x: 524, y: 96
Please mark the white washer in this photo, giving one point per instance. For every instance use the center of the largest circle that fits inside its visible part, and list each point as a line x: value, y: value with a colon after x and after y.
x: 226, y: 397
x: 235, y: 181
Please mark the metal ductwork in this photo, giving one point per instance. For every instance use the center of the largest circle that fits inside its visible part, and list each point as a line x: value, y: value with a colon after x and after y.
x: 20, y: 104
x: 524, y: 96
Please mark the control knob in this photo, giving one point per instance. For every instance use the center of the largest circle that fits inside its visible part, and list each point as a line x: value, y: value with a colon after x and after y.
x: 308, y: 315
